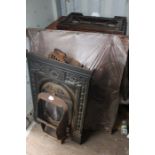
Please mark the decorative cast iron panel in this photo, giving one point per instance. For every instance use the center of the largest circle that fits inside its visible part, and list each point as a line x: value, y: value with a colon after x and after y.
x: 43, y: 70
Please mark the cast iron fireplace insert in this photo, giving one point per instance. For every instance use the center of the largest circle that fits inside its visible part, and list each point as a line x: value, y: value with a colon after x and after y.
x: 104, y: 55
x: 68, y: 87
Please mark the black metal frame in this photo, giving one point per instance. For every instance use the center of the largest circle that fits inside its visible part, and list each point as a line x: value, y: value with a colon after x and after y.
x: 42, y: 69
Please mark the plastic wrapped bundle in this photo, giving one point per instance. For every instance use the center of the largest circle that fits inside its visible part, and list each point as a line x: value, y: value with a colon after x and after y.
x: 104, y: 54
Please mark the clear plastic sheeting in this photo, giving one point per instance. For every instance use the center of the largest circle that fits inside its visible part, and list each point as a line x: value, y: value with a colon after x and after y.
x: 104, y: 54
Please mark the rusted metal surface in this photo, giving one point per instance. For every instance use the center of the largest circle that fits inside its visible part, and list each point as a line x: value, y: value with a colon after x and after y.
x: 48, y: 122
x: 57, y: 55
x: 78, y: 22
x: 61, y: 56
x: 55, y: 101
x: 60, y: 91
